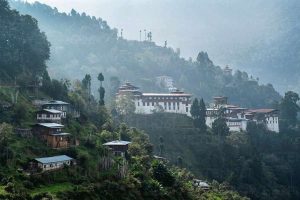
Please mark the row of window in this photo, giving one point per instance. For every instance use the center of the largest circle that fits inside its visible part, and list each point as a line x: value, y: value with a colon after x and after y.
x: 157, y: 103
x: 49, y: 115
x: 176, y: 98
x: 57, y: 164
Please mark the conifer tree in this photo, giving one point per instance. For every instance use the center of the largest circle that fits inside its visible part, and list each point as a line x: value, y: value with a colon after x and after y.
x: 101, y: 89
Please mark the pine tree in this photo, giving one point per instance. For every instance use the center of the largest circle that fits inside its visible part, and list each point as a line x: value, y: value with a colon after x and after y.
x: 101, y: 89
x: 198, y: 112
x: 202, y: 115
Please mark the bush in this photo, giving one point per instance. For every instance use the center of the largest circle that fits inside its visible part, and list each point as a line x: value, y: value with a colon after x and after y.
x: 9, y: 187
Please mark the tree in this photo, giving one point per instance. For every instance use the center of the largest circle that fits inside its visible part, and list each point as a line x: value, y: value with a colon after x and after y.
x: 198, y: 112
x: 202, y: 115
x: 219, y: 127
x: 101, y: 89
x: 86, y: 85
x: 125, y: 105
x: 289, y: 109
x: 195, y: 110
x: 162, y: 174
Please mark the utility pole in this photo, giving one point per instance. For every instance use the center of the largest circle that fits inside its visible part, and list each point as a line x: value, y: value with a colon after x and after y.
x: 140, y: 35
x: 145, y: 34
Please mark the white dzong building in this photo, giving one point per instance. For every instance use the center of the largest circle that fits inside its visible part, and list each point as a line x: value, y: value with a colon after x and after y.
x: 148, y: 103
x: 237, y: 118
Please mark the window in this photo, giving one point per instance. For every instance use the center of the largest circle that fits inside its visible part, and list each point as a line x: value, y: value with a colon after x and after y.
x: 143, y: 103
x: 138, y: 103
x: 147, y: 103
x: 187, y: 109
x: 152, y: 103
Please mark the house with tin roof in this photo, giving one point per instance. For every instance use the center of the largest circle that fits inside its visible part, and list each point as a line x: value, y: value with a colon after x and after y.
x: 53, y: 163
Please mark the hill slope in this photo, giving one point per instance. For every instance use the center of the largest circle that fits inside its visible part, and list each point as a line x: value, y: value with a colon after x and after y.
x: 82, y: 44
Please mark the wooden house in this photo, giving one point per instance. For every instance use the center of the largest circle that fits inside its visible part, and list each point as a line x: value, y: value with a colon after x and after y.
x: 52, y: 134
x: 57, y: 105
x: 118, y: 147
x: 49, y: 115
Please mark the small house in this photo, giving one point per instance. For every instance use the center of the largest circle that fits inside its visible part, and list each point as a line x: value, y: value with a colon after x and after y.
x: 118, y: 147
x: 53, y: 163
x: 201, y: 184
x: 44, y: 129
x: 49, y: 115
x: 57, y: 105
x: 52, y: 134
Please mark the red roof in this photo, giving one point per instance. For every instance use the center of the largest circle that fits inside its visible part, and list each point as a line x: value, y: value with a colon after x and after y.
x: 263, y: 110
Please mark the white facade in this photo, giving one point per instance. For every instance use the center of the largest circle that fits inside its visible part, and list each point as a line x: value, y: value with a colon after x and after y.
x: 53, y: 163
x: 148, y: 103
x: 237, y: 118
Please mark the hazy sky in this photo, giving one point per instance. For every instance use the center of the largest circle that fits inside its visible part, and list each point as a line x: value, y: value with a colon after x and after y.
x: 220, y: 27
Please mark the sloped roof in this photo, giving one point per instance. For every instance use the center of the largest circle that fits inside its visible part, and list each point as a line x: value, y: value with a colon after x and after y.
x: 117, y: 142
x: 166, y: 94
x: 50, y: 125
x: 60, y: 134
x: 56, y: 102
x: 53, y: 159
x: 264, y: 110
x: 52, y: 111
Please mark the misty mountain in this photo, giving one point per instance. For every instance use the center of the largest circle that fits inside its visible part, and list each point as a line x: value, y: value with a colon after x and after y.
x: 83, y: 44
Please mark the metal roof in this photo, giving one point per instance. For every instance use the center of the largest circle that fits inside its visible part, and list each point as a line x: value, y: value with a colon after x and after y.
x: 51, y: 125
x: 55, y: 102
x: 53, y: 159
x: 117, y: 142
x: 53, y: 111
x: 60, y: 134
x: 166, y: 94
x: 263, y: 110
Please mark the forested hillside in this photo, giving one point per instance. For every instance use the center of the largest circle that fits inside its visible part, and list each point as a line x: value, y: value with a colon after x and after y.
x: 83, y: 44
x: 258, y: 163
x: 135, y: 175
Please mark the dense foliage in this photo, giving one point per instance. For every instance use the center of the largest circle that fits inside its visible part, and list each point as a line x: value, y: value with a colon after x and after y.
x: 83, y: 44
x: 258, y: 163
x: 23, y: 48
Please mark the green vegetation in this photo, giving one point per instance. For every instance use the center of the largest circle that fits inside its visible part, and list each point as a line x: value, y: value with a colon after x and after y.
x: 257, y: 163
x: 99, y: 49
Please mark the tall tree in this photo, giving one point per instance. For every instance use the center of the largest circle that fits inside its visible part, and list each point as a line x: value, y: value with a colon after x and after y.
x: 219, y: 127
x: 195, y: 110
x: 202, y: 115
x: 288, y: 110
x: 101, y: 89
x: 86, y: 84
x: 198, y: 112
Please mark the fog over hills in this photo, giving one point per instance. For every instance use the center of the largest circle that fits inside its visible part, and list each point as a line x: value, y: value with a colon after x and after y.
x: 259, y: 36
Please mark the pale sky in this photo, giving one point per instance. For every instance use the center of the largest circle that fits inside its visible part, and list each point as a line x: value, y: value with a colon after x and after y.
x: 220, y: 27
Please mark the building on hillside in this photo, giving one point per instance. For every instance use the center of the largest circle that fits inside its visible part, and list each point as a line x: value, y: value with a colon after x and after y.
x: 148, y: 103
x: 237, y: 117
x: 52, y: 134
x: 201, y: 184
x: 52, y: 163
x: 118, y: 147
x: 57, y: 105
x: 49, y: 115
x: 269, y: 117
